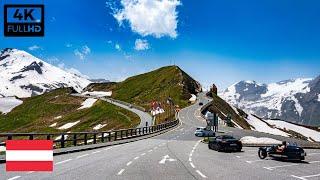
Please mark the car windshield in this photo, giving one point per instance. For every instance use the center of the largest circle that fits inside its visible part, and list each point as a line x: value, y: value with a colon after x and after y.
x: 227, y: 137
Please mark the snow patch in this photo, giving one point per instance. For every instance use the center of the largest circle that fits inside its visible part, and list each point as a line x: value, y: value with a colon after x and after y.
x: 99, y: 126
x: 261, y: 126
x: 319, y: 97
x: 58, y: 117
x: 68, y: 125
x: 9, y: 103
x: 309, y: 133
x: 193, y: 98
x: 53, y: 125
x: 87, y: 103
x: 59, y: 137
x: 255, y: 140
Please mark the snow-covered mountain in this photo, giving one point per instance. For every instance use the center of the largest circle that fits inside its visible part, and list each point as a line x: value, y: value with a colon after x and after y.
x: 24, y: 75
x: 291, y: 100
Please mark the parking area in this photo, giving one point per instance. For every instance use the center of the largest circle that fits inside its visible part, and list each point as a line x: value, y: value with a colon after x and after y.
x: 308, y: 169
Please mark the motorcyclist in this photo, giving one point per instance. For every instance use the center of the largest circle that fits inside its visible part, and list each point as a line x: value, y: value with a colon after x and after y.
x: 282, y: 147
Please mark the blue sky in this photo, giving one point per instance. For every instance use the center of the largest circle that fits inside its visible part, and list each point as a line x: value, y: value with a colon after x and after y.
x: 214, y: 41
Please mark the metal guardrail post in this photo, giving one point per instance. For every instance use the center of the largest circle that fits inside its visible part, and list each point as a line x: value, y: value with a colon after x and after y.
x: 9, y: 137
x: 94, y: 138
x: 75, y: 140
x: 121, y: 134
x: 115, y: 135
x: 62, y: 140
x: 85, y: 139
x: 102, y: 137
x: 109, y: 136
x: 31, y: 137
x: 48, y: 137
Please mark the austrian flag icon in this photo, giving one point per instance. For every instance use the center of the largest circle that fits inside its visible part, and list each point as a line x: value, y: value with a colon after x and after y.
x: 29, y: 155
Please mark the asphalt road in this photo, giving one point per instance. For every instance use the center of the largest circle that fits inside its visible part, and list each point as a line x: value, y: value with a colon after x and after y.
x: 177, y: 154
x: 144, y: 117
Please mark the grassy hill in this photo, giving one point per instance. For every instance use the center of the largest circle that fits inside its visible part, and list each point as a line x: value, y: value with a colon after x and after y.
x: 223, y: 109
x: 37, y: 113
x: 158, y: 85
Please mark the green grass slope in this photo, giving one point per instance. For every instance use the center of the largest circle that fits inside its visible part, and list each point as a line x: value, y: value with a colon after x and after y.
x: 169, y: 81
x: 37, y: 113
x: 223, y: 109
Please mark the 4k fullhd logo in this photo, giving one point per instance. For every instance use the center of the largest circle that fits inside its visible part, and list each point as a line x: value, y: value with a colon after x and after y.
x: 24, y: 20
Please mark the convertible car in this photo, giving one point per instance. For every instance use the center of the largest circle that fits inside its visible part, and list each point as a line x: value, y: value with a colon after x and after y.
x: 225, y: 143
x: 290, y: 152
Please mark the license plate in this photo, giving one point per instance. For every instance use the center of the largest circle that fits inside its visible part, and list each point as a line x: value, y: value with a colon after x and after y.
x: 233, y: 144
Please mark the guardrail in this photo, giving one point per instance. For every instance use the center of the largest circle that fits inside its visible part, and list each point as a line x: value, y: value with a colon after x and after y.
x: 62, y: 140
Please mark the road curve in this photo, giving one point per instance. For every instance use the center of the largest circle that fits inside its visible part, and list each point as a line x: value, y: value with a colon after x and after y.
x: 144, y: 116
x: 177, y: 154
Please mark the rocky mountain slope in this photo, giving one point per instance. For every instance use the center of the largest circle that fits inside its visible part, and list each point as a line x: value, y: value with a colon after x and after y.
x: 24, y: 75
x: 291, y: 100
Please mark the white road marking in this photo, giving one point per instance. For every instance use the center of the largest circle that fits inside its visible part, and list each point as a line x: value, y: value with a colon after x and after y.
x: 166, y: 158
x: 120, y: 172
x: 136, y: 158
x: 200, y: 173
x: 130, y: 162
x: 250, y: 162
x: 314, y: 162
x: 238, y: 156
x: 190, y: 159
x: 143, y: 154
x: 310, y: 154
x: 16, y: 177
x: 275, y: 167
x: 82, y: 156
x: 95, y: 152
x: 61, y: 162
x: 30, y: 172
x: 192, y: 165
x: 150, y: 150
x: 305, y: 177
x: 106, y: 149
x: 155, y: 147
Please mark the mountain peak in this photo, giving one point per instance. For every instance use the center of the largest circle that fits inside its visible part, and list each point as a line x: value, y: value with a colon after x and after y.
x: 24, y: 75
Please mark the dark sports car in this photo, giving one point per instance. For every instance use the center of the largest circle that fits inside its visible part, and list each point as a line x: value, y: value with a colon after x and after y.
x: 291, y: 152
x: 225, y: 143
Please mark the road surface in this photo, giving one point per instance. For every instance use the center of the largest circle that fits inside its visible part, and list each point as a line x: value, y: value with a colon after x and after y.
x: 177, y: 154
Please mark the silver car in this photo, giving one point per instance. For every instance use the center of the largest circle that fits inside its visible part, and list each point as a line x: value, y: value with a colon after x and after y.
x: 203, y: 132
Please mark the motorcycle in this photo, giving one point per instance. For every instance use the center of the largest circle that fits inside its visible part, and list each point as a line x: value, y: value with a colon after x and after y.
x: 291, y: 152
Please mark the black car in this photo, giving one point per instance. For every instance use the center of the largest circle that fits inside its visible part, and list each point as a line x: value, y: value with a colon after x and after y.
x: 225, y: 143
x: 291, y: 152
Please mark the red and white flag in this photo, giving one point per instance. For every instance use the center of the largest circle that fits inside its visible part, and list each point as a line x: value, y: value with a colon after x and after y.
x: 29, y: 155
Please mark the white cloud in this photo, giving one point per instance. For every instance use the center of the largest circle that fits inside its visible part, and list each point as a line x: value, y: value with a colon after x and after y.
x: 83, y: 52
x: 141, y: 44
x: 157, y: 18
x: 68, y: 45
x: 34, y: 47
x: 117, y: 46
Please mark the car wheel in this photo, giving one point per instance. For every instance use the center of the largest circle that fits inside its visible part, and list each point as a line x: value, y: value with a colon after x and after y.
x: 219, y: 148
x: 262, y: 153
